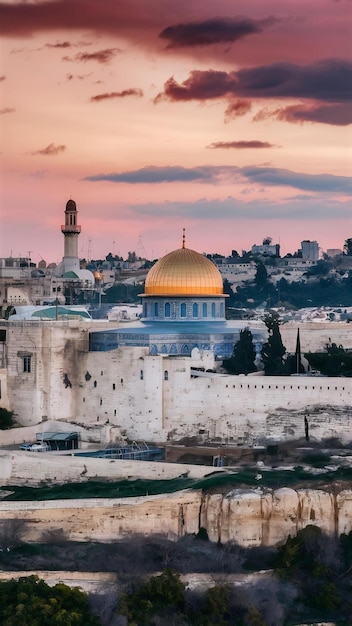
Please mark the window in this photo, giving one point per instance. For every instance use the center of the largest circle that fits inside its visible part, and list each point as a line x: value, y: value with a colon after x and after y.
x: 205, y: 309
x: 27, y: 364
x: 141, y: 375
x: 166, y: 375
x: 213, y: 309
x: 183, y: 310
x: 156, y: 309
x: 113, y: 386
x: 95, y: 383
x: 195, y: 309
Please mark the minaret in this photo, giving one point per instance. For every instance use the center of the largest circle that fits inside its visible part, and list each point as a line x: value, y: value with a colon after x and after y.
x: 71, y: 230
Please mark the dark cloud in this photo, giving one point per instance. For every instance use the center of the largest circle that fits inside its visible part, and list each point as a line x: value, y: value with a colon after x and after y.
x: 154, y: 174
x: 6, y: 110
x: 264, y: 176
x: 101, y: 56
x: 62, y: 44
x: 212, y: 31
x: 329, y: 81
x: 77, y: 76
x: 237, y: 108
x: 50, y: 150
x: 199, y: 86
x: 117, y: 94
x: 334, y: 114
x: 240, y: 145
x: 275, y: 177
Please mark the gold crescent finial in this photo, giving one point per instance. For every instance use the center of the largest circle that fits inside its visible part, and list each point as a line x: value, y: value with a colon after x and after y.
x: 183, y: 238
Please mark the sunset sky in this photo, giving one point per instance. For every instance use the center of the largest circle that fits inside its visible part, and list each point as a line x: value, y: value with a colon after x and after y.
x: 229, y: 118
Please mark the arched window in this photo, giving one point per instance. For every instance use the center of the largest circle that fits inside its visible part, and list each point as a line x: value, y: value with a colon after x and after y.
x: 141, y: 375
x: 213, y: 309
x: 183, y: 310
x: 167, y: 311
x: 164, y: 349
x: 144, y: 309
x: 221, y: 309
x: 205, y: 309
x: 195, y: 309
x: 185, y: 349
x: 166, y: 375
x: 156, y: 309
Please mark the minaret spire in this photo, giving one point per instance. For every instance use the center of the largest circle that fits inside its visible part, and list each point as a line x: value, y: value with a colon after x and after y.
x: 183, y: 238
x: 71, y: 231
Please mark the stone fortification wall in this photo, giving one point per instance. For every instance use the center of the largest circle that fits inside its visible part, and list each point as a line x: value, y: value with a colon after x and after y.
x: 315, y: 335
x: 154, y: 398
x: 249, y: 517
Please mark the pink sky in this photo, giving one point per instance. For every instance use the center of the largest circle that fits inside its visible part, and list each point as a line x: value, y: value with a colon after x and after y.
x: 231, y: 119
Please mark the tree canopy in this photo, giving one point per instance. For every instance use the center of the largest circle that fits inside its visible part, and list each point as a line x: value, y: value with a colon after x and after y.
x: 243, y: 356
x: 29, y: 601
x: 6, y: 419
x: 273, y: 350
x: 335, y: 361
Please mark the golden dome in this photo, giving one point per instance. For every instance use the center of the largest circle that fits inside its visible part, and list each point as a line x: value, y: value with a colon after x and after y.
x: 184, y: 272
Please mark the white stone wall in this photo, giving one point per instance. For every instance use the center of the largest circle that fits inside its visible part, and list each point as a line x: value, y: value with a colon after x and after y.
x: 155, y: 398
x: 315, y: 335
x: 4, y: 399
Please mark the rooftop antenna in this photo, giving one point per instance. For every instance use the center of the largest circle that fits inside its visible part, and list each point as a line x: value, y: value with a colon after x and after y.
x: 183, y: 238
x: 113, y: 247
x: 89, y: 249
x: 29, y: 257
x: 141, y: 253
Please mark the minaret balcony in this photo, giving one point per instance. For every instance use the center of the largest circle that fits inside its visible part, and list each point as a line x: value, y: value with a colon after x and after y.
x: 70, y: 229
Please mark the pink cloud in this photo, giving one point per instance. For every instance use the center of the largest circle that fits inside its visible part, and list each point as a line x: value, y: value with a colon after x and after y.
x: 101, y: 56
x: 117, y: 94
x: 50, y: 150
x: 6, y: 110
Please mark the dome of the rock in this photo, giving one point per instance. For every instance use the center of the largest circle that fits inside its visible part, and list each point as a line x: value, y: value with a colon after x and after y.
x: 184, y: 272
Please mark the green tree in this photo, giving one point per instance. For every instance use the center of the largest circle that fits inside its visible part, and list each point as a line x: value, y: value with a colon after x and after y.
x: 243, y: 357
x: 29, y: 601
x: 6, y: 419
x: 273, y: 351
x: 347, y: 247
x: 261, y: 276
x: 335, y: 361
x: 153, y: 596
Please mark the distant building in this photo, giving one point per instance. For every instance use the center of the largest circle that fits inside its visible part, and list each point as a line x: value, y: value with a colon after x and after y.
x: 310, y: 250
x: 331, y: 252
x: 266, y: 249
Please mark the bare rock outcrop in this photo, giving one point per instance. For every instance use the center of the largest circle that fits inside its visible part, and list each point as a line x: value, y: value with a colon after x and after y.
x: 262, y: 517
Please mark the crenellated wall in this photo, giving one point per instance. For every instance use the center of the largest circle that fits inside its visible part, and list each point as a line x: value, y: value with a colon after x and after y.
x: 158, y: 398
